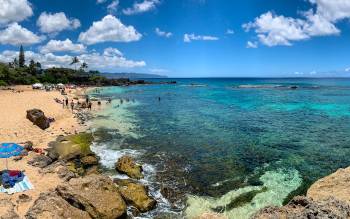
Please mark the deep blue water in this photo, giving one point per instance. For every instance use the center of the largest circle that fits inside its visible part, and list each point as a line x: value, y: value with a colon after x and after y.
x: 225, y: 134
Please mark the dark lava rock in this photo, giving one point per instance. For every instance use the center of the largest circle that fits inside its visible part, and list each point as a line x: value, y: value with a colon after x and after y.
x: 40, y: 161
x: 37, y: 117
x: 7, y: 210
x: 303, y: 207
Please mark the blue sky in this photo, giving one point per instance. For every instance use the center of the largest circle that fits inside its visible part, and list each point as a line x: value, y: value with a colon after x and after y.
x: 183, y: 38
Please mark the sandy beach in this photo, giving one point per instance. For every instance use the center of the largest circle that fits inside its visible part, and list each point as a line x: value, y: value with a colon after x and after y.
x: 14, y: 127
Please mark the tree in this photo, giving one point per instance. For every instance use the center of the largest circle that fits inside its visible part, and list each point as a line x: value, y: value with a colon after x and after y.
x: 21, y: 58
x: 32, y: 67
x: 15, y: 63
x: 75, y: 60
x: 84, y: 66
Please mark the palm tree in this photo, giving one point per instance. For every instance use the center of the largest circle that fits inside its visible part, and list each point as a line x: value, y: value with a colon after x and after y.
x: 75, y: 60
x: 84, y: 66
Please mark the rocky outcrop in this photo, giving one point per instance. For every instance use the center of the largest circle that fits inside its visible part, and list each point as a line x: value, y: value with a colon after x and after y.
x: 303, y: 207
x: 40, y: 161
x: 136, y: 195
x: 38, y: 118
x: 128, y: 166
x: 7, y: 210
x: 50, y: 205
x: 95, y: 194
x: 335, y: 185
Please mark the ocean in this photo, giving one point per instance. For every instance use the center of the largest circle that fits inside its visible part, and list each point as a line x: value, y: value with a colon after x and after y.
x: 226, y: 145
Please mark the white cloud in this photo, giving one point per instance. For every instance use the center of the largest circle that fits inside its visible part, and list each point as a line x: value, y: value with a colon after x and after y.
x: 55, y: 23
x: 252, y: 45
x: 100, y: 1
x: 191, y: 37
x: 273, y: 30
x: 62, y: 46
x: 113, y: 7
x: 163, y: 33
x: 109, y: 29
x: 14, y: 11
x: 230, y: 32
x: 347, y: 69
x: 16, y: 35
x: 141, y: 7
x: 112, y: 52
x: 95, y: 60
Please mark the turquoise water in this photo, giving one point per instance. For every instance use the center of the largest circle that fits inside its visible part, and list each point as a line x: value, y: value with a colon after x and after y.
x: 214, y: 140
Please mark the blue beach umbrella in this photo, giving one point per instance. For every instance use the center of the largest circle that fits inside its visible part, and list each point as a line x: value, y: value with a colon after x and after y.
x: 8, y: 150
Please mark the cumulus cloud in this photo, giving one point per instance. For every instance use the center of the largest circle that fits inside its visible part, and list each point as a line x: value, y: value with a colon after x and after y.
x: 14, y: 11
x: 141, y: 7
x: 112, y: 52
x: 113, y: 6
x: 192, y: 37
x: 16, y: 35
x: 55, y: 23
x: 273, y: 30
x: 96, y: 60
x: 252, y: 45
x: 109, y: 29
x: 163, y: 33
x: 62, y: 46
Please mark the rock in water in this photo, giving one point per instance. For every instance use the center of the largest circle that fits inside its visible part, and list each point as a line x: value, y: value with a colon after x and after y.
x: 127, y: 165
x: 50, y: 205
x: 37, y: 117
x: 303, y: 207
x: 96, y: 194
x: 7, y: 210
x: 136, y: 194
x: 335, y: 185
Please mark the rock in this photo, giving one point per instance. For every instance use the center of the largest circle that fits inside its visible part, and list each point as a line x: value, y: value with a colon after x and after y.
x: 89, y: 161
x: 335, y: 185
x: 7, y: 210
x: 136, y: 194
x: 50, y: 205
x: 127, y: 165
x: 40, y: 161
x: 64, y: 173
x: 22, y: 198
x: 37, y: 117
x: 96, y: 194
x: 303, y: 207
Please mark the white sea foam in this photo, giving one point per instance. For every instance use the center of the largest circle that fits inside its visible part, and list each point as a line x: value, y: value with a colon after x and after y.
x: 276, y: 187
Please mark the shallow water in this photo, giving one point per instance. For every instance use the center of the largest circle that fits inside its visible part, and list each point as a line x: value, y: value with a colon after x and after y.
x: 226, y: 135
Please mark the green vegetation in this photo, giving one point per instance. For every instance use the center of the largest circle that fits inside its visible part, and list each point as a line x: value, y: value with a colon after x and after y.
x: 17, y: 72
x: 84, y: 140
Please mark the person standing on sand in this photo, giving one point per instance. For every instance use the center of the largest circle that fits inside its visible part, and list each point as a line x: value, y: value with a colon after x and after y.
x: 89, y: 105
x: 72, y: 105
x: 67, y: 102
x: 63, y: 103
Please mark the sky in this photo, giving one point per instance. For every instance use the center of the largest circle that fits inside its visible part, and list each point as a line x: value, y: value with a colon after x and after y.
x: 183, y: 38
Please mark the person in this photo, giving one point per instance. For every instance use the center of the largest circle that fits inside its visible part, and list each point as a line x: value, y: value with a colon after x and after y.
x: 109, y: 100
x: 99, y: 103
x: 67, y: 102
x: 159, y: 99
x: 89, y: 105
x: 63, y: 103
x: 121, y: 101
x: 72, y: 105
x: 87, y: 99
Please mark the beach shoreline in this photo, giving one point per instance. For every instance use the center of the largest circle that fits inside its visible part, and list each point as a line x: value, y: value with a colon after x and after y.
x: 16, y: 128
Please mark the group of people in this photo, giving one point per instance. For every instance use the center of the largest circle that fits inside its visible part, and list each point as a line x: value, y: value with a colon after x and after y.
x: 66, y: 104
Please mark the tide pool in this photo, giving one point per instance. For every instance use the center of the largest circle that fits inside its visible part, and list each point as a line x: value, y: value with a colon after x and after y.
x: 216, y: 140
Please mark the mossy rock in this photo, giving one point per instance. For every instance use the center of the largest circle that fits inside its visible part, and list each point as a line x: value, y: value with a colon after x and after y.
x: 73, y: 146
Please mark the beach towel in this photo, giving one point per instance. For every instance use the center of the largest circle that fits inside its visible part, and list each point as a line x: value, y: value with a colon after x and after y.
x: 21, y: 186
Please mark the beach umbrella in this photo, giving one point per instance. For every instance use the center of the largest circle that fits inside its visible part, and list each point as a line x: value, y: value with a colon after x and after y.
x: 8, y: 150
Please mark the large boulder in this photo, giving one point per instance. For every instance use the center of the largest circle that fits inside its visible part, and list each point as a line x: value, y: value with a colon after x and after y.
x: 40, y: 161
x: 96, y: 194
x: 303, y: 207
x: 335, y: 185
x: 127, y: 165
x: 7, y: 210
x: 50, y: 205
x: 37, y: 117
x: 136, y: 194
